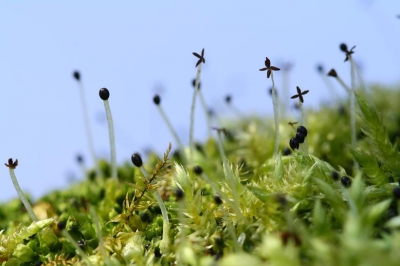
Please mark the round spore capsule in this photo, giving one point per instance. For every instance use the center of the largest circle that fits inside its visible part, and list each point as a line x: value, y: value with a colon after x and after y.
x: 343, y: 47
x: 228, y: 99
x: 300, y: 137
x: 198, y: 170
x: 156, y: 99
x: 335, y: 175
x: 145, y: 217
x: 194, y: 83
x: 286, y: 151
x: 294, y: 143
x: 179, y: 194
x: 346, y: 182
x: 104, y: 94
x: 77, y: 75
x: 320, y: 69
x: 302, y: 129
x: 79, y: 159
x: 137, y: 160
x: 396, y: 192
x: 61, y: 225
x: 217, y: 200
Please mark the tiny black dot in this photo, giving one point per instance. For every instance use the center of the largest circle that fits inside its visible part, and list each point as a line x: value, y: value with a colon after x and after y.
x: 61, y: 225
x: 320, y: 69
x: 157, y: 99
x: 302, y: 129
x: 286, y: 151
x: 157, y: 252
x: 77, y: 75
x: 346, y: 182
x: 145, y: 217
x: 335, y: 175
x: 104, y: 94
x: 137, y: 160
x: 294, y: 143
x: 194, y: 83
x: 147, y: 246
x: 198, y: 170
x: 217, y: 200
x: 228, y: 99
x: 396, y: 192
x: 79, y: 159
x: 343, y: 47
x: 179, y: 194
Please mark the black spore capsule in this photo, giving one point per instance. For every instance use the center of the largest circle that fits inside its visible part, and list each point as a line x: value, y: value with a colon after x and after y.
x: 300, y: 137
x: 156, y: 99
x: 194, y: 83
x: 346, y: 182
x: 179, y: 194
x: 137, y: 160
x: 294, y: 143
x: 198, y: 170
x: 343, y: 47
x: 286, y: 151
x: 145, y: 217
x: 228, y: 99
x: 157, y: 252
x: 335, y: 175
x: 77, y: 75
x: 217, y: 200
x: 61, y: 225
x: 396, y: 192
x: 302, y: 129
x: 320, y: 69
x: 104, y: 94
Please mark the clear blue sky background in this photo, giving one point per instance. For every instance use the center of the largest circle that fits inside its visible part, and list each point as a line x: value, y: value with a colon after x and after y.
x: 138, y: 48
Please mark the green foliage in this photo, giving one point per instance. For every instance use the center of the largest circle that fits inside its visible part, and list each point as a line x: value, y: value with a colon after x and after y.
x: 282, y: 210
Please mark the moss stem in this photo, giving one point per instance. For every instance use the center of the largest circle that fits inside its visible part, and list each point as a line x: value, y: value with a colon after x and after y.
x: 21, y: 195
x: 207, y: 113
x: 171, y: 129
x: 88, y: 131
x: 164, y: 245
x: 191, y: 132
x: 112, y: 139
x: 352, y: 108
x: 276, y: 114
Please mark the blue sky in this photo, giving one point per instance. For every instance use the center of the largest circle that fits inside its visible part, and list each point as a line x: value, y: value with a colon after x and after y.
x: 137, y: 49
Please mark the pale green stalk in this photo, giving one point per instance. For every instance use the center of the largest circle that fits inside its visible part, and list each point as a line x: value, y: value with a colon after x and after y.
x: 99, y: 236
x: 112, y: 140
x: 76, y: 246
x: 303, y: 147
x: 208, y: 117
x: 191, y: 132
x: 276, y: 114
x: 228, y: 174
x: 352, y: 108
x: 88, y: 131
x: 171, y: 129
x: 21, y: 195
x: 164, y: 245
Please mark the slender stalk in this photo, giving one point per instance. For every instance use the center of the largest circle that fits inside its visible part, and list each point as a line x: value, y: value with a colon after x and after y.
x: 304, y: 147
x: 76, y: 246
x: 99, y: 236
x: 352, y: 108
x: 164, y: 245
x: 112, y: 139
x: 191, y: 132
x: 21, y: 195
x: 88, y: 131
x: 171, y: 129
x: 276, y: 115
x: 208, y: 117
